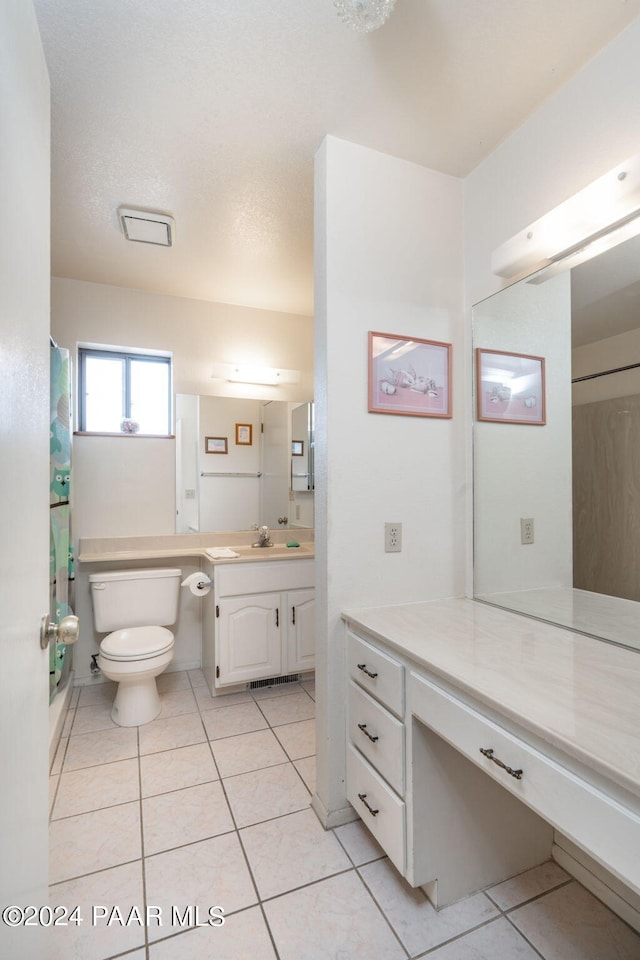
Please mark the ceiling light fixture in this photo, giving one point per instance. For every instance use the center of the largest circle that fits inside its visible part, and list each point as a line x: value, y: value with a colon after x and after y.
x: 146, y: 226
x: 250, y: 373
x: 610, y: 202
x: 364, y: 15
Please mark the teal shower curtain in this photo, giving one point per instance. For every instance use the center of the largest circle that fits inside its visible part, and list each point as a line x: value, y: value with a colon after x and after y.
x: 60, y: 544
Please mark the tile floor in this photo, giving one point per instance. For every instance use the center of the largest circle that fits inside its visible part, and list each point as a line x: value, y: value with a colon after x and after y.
x: 208, y: 806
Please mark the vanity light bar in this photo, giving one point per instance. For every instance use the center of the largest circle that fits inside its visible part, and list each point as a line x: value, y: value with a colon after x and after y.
x: 246, y: 373
x: 606, y: 204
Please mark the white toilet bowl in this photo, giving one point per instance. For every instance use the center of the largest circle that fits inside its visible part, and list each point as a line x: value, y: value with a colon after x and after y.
x: 134, y: 657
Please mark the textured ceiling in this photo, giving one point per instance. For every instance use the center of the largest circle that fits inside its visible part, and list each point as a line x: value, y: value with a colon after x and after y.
x: 212, y: 110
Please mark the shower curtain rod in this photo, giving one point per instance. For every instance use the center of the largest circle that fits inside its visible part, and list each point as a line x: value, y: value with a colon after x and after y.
x: 605, y: 373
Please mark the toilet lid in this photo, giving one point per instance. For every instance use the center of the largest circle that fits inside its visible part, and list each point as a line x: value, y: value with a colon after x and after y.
x: 136, y: 643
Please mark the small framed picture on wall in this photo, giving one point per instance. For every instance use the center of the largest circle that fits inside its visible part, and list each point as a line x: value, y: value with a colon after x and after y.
x: 409, y: 376
x: 215, y: 445
x: 244, y: 434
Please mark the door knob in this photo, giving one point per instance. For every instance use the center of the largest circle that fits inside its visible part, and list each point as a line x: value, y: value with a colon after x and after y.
x: 66, y: 631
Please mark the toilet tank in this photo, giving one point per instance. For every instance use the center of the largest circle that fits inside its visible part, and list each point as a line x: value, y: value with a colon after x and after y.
x: 134, y: 598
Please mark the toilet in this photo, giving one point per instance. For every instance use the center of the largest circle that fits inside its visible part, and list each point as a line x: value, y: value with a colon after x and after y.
x: 135, y: 606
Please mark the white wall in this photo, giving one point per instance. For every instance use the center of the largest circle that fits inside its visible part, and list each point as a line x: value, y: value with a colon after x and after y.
x: 388, y: 258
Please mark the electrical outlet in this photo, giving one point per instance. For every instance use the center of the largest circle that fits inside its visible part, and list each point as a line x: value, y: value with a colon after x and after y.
x: 526, y: 530
x: 392, y: 537
x: 189, y: 494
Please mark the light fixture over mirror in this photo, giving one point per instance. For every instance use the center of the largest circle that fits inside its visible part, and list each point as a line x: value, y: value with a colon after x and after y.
x: 364, y: 15
x: 592, y: 214
x: 251, y: 373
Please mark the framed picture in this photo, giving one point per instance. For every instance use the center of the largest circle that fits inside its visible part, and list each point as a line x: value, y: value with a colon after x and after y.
x: 244, y: 434
x: 297, y: 448
x: 215, y: 445
x: 409, y: 376
x: 510, y: 387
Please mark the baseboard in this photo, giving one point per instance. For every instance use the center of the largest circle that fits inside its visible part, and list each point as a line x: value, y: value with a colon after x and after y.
x: 602, y: 884
x: 334, y: 819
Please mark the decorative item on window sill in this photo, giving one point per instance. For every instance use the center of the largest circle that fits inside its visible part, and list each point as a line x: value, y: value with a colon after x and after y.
x: 364, y: 15
x: 129, y: 426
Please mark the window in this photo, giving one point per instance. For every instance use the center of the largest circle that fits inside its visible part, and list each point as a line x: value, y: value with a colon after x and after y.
x: 124, y: 392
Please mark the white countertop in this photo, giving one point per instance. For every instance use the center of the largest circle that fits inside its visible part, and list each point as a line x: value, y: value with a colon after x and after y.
x: 107, y: 549
x: 579, y: 694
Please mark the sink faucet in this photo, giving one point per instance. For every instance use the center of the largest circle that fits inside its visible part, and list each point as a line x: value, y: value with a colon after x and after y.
x: 264, y: 538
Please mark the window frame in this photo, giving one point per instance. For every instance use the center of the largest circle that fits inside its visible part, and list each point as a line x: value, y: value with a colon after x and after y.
x: 128, y: 355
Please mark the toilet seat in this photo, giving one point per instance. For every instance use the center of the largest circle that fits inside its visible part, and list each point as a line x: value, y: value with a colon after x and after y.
x: 136, y: 643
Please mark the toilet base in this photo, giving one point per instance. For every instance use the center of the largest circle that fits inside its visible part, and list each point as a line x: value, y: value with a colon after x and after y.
x: 137, y: 702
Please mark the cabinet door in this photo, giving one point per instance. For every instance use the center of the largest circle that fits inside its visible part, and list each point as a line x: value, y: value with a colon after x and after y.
x: 301, y: 629
x: 248, y: 638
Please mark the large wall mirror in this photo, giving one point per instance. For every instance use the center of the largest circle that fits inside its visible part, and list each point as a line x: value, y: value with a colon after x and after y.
x: 577, y: 476
x: 242, y: 463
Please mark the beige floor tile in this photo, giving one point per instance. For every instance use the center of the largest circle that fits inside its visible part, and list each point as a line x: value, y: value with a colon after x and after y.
x: 207, y: 702
x: 335, y: 918
x: 249, y: 751
x: 171, y: 732
x: 99, y: 692
x: 93, y: 841
x: 68, y: 723
x: 495, y: 941
x: 93, y: 788
x: 417, y: 923
x: 93, y: 939
x: 177, y: 702
x: 307, y: 770
x: 298, y: 739
x: 290, y: 852
x: 244, y: 936
x: 75, y: 696
x: 310, y: 687
x: 97, y: 716
x: 184, y: 816
x: 103, y: 746
x: 264, y: 794
x: 173, y: 682
x: 197, y: 678
x: 288, y: 709
x: 359, y: 843
x: 176, y: 769
x: 53, y: 786
x: 206, y: 874
x: 231, y: 721
x: 527, y: 885
x: 58, y: 760
x: 570, y: 924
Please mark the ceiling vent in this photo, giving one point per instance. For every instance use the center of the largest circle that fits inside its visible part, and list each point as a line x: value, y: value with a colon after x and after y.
x: 145, y: 226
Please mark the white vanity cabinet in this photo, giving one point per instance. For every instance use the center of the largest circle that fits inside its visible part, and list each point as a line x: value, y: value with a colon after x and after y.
x: 375, y: 744
x: 483, y: 743
x: 263, y: 622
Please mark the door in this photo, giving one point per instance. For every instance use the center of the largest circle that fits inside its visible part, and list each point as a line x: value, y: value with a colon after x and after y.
x: 249, y: 645
x: 24, y: 480
x: 301, y: 626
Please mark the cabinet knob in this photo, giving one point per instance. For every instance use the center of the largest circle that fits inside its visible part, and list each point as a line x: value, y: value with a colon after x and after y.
x: 363, y: 797
x: 363, y: 727
x: 363, y: 667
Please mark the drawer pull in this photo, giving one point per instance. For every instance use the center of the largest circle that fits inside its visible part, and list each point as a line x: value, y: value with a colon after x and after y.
x: 488, y: 752
x: 362, y: 796
x: 363, y: 667
x: 363, y: 727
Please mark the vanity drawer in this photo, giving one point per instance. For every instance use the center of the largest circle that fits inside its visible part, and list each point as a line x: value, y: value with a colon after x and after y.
x: 365, y: 786
x: 378, y: 735
x: 602, y: 825
x: 378, y: 673
x: 263, y: 576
